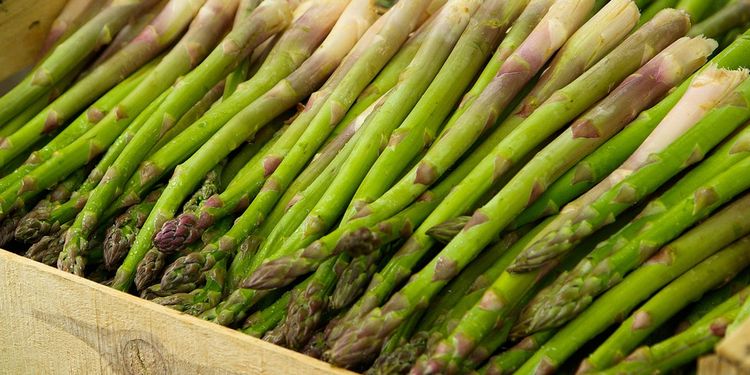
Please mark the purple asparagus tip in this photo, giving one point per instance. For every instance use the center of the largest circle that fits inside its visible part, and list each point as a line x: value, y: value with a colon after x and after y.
x: 273, y: 274
x: 177, y: 233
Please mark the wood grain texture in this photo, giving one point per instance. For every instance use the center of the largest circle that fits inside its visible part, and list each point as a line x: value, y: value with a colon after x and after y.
x: 52, y: 322
x: 715, y: 365
x: 736, y: 347
x: 24, y: 25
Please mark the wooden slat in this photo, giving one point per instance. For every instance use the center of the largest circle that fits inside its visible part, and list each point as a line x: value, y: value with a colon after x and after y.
x: 715, y: 365
x: 24, y: 25
x: 53, y: 322
x: 736, y: 346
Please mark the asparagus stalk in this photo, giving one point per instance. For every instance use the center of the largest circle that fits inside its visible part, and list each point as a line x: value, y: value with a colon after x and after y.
x: 44, y: 223
x: 87, y: 120
x: 354, y: 279
x: 559, y: 306
x: 521, y: 66
x: 203, y: 33
x: 267, y: 20
x: 687, y: 212
x: 191, y: 116
x: 47, y: 248
x: 212, y: 253
x: 393, y: 110
x: 128, y: 33
x: 734, y: 14
x: 512, y: 359
x: 167, y: 27
x: 286, y: 217
x: 264, y: 320
x: 68, y: 54
x: 678, y: 350
x: 153, y: 262
x: 674, y: 297
x: 121, y: 234
x: 284, y: 95
x: 697, y: 9
x: 417, y: 246
x: 74, y: 14
x: 416, y: 132
x: 308, y: 304
x: 309, y: 130
x: 676, y: 139
x: 491, y: 219
x: 304, y: 35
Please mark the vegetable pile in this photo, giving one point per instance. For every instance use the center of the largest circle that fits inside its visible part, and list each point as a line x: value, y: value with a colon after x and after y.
x: 425, y: 187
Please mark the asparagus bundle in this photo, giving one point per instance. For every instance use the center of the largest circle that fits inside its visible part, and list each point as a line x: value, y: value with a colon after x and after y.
x: 515, y: 194
x: 213, y: 152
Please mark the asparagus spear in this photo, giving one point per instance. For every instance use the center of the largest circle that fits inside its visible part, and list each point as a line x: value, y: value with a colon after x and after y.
x: 678, y: 350
x: 490, y: 219
x: 43, y: 223
x: 667, y: 150
x: 284, y: 95
x: 686, y: 212
x: 286, y: 217
x: 393, y: 109
x: 512, y: 359
x: 353, y: 280
x: 90, y: 118
x: 416, y: 132
x: 308, y: 304
x: 521, y: 66
x: 674, y: 297
x: 562, y: 300
x: 47, y: 248
x: 407, y: 257
x: 264, y: 320
x: 167, y: 27
x: 309, y: 129
x: 304, y: 35
x: 68, y: 54
x: 74, y: 14
x: 120, y: 235
x: 277, y: 221
x: 697, y: 9
x: 203, y: 33
x: 734, y: 14
x: 153, y: 262
x: 267, y: 20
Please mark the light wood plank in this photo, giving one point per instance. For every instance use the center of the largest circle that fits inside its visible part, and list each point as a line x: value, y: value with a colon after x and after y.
x: 736, y: 346
x: 715, y: 365
x: 56, y: 323
x: 24, y: 25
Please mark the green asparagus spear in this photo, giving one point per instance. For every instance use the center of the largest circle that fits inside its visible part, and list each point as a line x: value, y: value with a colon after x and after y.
x: 290, y: 57
x: 697, y: 9
x: 164, y: 29
x: 561, y: 299
x: 120, y: 235
x: 734, y: 14
x: 98, y: 31
x: 418, y: 130
x: 285, y: 94
x: 665, y: 304
x: 512, y: 359
x: 490, y: 219
x: 266, y: 20
x: 419, y: 243
x: 189, y: 51
x: 264, y: 320
x: 678, y: 350
x: 521, y: 66
x: 669, y: 149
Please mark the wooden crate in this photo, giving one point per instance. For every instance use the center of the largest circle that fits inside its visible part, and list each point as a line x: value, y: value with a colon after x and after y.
x: 53, y: 322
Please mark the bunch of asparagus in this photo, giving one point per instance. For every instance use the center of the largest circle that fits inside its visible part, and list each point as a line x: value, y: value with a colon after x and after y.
x: 422, y: 186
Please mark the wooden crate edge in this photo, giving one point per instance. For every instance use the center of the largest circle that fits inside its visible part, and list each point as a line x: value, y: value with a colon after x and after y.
x: 55, y: 322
